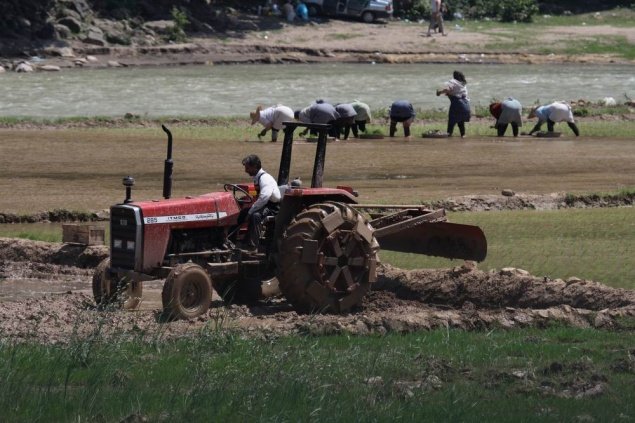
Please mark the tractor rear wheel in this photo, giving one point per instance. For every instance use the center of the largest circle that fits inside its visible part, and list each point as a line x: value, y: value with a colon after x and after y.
x: 187, y: 292
x: 113, y: 291
x: 328, y: 258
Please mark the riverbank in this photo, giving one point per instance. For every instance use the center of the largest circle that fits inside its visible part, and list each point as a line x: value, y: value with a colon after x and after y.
x: 604, y: 39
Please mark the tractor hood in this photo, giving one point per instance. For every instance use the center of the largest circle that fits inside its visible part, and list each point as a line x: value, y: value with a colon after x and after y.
x: 214, y: 209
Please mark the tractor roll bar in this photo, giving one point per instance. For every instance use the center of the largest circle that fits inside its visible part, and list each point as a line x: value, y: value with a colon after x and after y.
x: 320, y: 152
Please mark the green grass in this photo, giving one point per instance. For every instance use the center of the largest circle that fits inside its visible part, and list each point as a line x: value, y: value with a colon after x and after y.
x: 528, y: 375
x: 619, y: 17
x: 522, y: 36
x: 596, y: 244
x: 48, y: 235
x: 617, y: 45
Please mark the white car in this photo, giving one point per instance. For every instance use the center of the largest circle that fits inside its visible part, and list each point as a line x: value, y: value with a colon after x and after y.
x: 367, y: 10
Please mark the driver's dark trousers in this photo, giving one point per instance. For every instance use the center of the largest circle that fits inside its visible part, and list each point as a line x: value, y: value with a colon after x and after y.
x: 255, y: 222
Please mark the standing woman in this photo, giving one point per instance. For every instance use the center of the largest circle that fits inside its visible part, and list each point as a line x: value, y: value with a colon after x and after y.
x: 456, y: 90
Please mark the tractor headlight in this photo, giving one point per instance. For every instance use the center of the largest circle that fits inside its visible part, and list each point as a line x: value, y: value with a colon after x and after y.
x: 117, y: 243
x: 130, y: 245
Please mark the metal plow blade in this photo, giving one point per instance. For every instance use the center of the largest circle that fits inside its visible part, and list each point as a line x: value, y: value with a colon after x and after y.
x: 442, y: 239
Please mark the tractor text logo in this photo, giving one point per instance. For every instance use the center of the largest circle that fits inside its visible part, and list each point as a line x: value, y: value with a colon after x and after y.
x: 184, y: 218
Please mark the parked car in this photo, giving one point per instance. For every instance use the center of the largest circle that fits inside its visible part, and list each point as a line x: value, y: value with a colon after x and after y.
x: 366, y: 10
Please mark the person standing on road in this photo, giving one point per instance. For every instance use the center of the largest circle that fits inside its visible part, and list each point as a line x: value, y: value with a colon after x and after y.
x: 507, y: 112
x: 361, y: 119
x: 288, y: 11
x: 558, y: 111
x: 459, y: 113
x: 267, y: 203
x: 436, y: 17
x: 401, y: 111
x: 271, y: 118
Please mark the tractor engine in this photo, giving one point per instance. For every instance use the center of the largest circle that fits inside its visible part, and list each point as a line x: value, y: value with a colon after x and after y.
x: 149, y: 235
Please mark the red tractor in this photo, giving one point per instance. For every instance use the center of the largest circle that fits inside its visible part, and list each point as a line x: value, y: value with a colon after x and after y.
x: 319, y: 251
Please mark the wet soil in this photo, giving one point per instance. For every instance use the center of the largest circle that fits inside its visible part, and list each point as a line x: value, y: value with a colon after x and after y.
x: 54, y: 302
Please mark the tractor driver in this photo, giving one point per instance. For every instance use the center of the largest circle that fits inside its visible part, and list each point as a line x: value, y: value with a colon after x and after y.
x: 267, y: 203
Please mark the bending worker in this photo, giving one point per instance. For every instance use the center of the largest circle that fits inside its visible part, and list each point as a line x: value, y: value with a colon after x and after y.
x: 401, y: 111
x: 558, y: 111
x: 267, y: 203
x: 271, y: 118
x: 507, y: 112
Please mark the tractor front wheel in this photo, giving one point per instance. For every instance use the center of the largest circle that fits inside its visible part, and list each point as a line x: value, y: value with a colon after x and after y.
x: 328, y: 258
x: 109, y: 290
x: 187, y: 292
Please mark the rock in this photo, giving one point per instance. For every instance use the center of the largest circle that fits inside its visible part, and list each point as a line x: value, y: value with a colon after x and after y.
x: 114, y: 32
x: 508, y: 193
x: 81, y: 7
x: 573, y: 280
x: 114, y: 64
x: 62, y: 32
x: 512, y: 271
x: 50, y: 68
x: 71, y: 23
x: 95, y: 36
x: 160, y: 27
x: 24, y: 67
x: 609, y: 101
x: 59, y: 51
x: 2, y: 69
x: 92, y: 59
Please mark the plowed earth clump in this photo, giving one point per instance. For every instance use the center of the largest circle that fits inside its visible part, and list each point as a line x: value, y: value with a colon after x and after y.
x: 401, y: 301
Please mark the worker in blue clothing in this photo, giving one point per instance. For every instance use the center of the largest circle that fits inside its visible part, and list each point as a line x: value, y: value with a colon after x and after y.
x: 302, y: 11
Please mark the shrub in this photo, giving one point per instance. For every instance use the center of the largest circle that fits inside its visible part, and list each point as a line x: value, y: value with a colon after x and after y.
x: 581, y: 112
x: 517, y: 10
x: 177, y: 32
x: 503, y: 10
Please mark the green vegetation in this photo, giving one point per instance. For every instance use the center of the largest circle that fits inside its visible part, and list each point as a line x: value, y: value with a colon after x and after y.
x: 521, y: 37
x: 617, y: 45
x: 620, y: 17
x: 177, y: 32
x: 32, y: 231
x: 501, y: 10
x: 596, y: 244
x: 550, y: 375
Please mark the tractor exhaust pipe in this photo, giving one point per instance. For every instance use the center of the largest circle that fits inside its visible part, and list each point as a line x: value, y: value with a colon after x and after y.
x: 128, y: 182
x: 168, y: 166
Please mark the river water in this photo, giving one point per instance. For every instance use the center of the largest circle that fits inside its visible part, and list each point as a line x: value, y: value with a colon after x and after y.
x: 236, y: 89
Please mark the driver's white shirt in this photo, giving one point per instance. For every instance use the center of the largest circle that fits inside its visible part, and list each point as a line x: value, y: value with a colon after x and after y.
x: 269, y: 191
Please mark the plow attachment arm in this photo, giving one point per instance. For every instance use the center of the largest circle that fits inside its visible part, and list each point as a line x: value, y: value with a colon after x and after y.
x: 420, y: 231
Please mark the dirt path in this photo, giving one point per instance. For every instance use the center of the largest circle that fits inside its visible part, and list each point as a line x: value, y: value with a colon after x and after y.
x: 402, y: 301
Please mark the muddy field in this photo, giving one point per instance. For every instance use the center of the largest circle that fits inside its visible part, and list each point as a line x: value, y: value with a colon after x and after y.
x: 53, y: 301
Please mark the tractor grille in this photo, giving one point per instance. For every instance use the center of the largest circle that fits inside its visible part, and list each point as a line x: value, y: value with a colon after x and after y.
x: 125, y: 236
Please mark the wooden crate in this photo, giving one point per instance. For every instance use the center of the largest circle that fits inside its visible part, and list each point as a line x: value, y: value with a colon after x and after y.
x: 81, y: 233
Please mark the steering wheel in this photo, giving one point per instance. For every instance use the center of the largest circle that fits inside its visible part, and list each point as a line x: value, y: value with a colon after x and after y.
x: 246, y: 199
